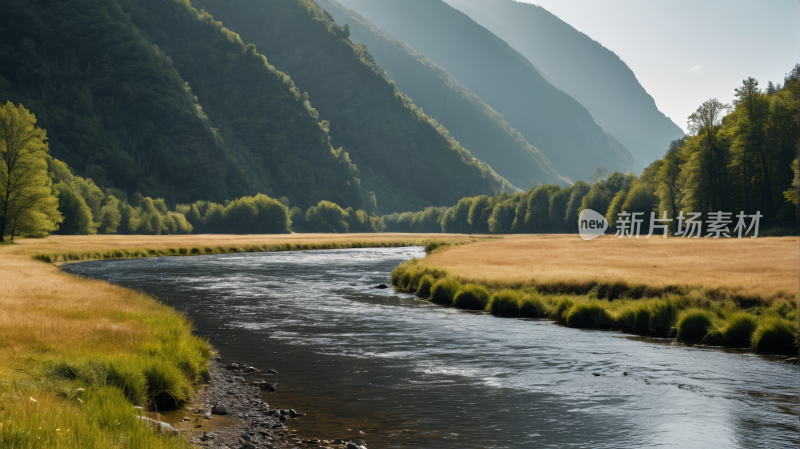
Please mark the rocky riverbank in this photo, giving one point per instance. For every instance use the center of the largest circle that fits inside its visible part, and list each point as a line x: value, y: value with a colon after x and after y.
x: 232, y: 413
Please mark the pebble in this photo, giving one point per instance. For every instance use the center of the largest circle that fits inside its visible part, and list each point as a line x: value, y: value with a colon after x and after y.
x: 272, y: 371
x: 219, y: 409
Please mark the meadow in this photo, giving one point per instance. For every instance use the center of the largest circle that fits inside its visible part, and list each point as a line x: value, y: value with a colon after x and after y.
x: 78, y: 355
x: 735, y: 293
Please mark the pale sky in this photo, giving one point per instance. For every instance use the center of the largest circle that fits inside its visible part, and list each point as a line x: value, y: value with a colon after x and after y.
x: 685, y: 52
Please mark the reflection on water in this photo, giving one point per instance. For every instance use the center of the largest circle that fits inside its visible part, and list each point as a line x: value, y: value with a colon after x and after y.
x: 410, y: 374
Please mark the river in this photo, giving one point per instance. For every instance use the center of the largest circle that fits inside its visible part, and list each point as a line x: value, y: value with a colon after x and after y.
x: 399, y: 372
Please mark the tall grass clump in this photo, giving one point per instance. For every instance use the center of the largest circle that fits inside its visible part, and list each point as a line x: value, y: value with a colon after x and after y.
x: 505, y: 303
x: 737, y: 332
x: 634, y: 317
x: 559, y: 310
x: 663, y: 317
x: 589, y: 315
x: 425, y: 284
x: 472, y: 297
x: 694, y: 325
x: 532, y: 306
x: 775, y: 334
x: 444, y: 291
x: 406, y: 277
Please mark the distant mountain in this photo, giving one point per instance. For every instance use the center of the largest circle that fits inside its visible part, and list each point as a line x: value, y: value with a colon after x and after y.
x: 472, y: 122
x: 408, y: 159
x: 583, y: 68
x: 555, y: 123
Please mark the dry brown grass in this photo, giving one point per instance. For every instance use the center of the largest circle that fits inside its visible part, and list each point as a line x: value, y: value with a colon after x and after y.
x: 763, y: 267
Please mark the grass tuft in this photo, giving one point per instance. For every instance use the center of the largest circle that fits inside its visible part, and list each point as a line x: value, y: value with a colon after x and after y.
x: 505, y: 303
x: 589, y: 315
x: 444, y: 291
x: 775, y: 334
x: 472, y: 297
x: 425, y: 284
x: 694, y: 325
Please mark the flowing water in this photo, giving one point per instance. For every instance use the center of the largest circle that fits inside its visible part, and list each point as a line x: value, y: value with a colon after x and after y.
x: 409, y: 374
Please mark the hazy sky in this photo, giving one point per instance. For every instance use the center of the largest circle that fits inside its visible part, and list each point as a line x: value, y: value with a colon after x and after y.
x: 685, y: 52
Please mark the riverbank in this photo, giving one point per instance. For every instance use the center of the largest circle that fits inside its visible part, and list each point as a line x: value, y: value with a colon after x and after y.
x: 78, y: 355
x: 729, y: 293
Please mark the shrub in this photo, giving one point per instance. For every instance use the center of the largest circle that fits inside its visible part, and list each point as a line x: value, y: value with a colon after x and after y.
x: 694, y: 325
x: 425, y: 284
x: 471, y: 296
x: 505, y: 303
x: 775, y: 334
x: 444, y: 291
x: 591, y: 314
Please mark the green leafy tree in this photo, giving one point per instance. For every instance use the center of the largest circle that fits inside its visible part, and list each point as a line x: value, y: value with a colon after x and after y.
x: 26, y: 193
x: 327, y: 217
x: 479, y: 212
x: 77, y: 214
x: 579, y: 190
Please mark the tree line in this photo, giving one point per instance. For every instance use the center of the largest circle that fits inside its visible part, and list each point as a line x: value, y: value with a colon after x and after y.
x: 40, y: 195
x: 738, y: 157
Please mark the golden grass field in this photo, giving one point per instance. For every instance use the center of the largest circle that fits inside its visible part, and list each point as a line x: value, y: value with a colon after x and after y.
x: 762, y: 267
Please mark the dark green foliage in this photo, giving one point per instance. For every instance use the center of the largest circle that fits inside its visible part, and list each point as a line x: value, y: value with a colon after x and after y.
x: 471, y: 296
x: 694, y: 325
x: 444, y: 291
x: 403, y: 155
x: 112, y: 104
x: 479, y: 212
x: 77, y: 215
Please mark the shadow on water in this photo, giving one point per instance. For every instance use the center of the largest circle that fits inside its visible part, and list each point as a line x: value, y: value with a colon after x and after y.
x: 400, y: 373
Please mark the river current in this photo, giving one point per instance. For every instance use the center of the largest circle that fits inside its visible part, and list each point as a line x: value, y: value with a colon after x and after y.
x: 399, y: 372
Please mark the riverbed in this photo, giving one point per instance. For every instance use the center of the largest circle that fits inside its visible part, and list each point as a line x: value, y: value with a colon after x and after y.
x: 399, y: 372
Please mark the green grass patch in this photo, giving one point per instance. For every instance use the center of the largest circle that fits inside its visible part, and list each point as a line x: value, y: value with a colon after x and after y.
x: 505, y: 303
x: 472, y: 297
x: 444, y: 291
x: 589, y: 315
x: 694, y: 325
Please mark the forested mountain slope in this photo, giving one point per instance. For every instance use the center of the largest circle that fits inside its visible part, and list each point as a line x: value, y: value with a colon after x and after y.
x: 156, y: 97
x: 583, y: 68
x: 555, y: 123
x: 117, y: 109
x: 472, y: 122
x: 404, y: 156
